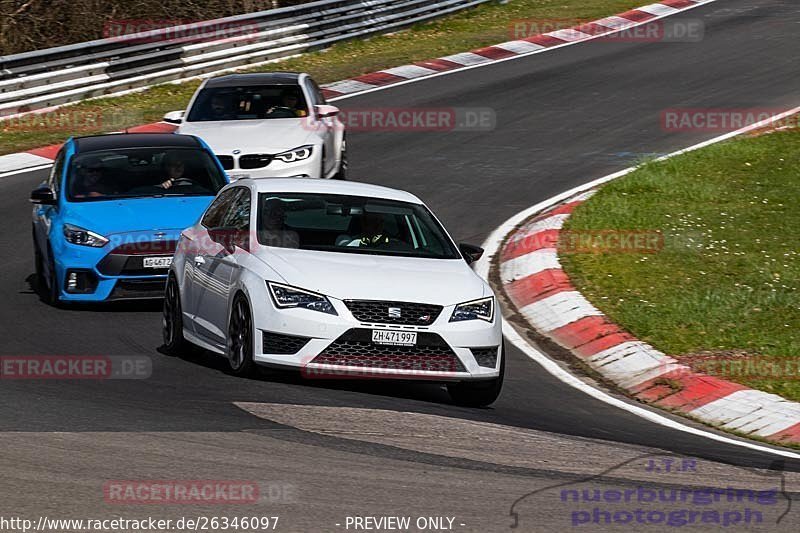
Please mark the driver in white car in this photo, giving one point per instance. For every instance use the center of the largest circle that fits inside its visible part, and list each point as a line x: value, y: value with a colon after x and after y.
x: 371, y: 235
x: 289, y: 100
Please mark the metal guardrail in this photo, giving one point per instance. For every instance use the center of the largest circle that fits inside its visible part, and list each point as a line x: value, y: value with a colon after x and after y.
x: 56, y: 76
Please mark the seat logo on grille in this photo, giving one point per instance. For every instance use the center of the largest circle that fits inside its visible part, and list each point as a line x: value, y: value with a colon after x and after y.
x: 395, y: 312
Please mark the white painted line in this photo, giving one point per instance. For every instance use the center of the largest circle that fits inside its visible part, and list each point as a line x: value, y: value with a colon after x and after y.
x: 558, y: 310
x: 350, y: 86
x: 529, y: 264
x: 19, y: 171
x: 467, y: 59
x: 410, y: 71
x: 583, y: 196
x: 569, y: 35
x: 520, y: 47
x: 658, y: 9
x: 21, y: 160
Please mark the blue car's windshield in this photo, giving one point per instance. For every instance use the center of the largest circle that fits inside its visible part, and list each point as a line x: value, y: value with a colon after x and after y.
x: 140, y: 172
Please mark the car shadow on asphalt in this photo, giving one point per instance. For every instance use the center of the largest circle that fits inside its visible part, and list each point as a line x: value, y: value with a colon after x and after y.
x: 120, y: 306
x: 432, y: 392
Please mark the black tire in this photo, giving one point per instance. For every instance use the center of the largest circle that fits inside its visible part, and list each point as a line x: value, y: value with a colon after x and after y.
x: 341, y: 174
x: 240, y: 338
x: 38, y: 261
x: 172, y: 320
x: 51, y: 289
x: 479, y: 393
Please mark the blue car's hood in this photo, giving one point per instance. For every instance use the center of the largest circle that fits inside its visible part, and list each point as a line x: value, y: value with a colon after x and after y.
x: 109, y: 217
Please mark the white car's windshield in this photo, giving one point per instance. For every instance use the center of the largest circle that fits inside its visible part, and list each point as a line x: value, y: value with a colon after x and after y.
x: 351, y: 224
x: 137, y: 172
x: 252, y: 102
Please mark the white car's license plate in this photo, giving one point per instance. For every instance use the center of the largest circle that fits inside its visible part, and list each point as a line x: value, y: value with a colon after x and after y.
x: 395, y: 338
x: 157, y: 262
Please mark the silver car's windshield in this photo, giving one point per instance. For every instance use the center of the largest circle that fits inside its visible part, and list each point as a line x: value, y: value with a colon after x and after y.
x: 351, y: 224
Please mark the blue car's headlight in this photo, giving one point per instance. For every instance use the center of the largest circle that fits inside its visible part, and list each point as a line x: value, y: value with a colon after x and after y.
x: 83, y: 237
x: 285, y: 297
x: 297, y: 154
x: 482, y: 309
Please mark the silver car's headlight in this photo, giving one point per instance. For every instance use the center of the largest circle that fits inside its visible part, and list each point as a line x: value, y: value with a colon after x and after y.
x: 297, y: 154
x: 482, y: 309
x: 84, y: 237
x: 286, y: 297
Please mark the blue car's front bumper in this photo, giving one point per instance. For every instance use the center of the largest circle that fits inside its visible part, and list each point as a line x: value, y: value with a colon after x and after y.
x: 114, y: 272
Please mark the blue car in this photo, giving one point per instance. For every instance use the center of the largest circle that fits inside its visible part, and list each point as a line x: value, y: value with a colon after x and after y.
x: 107, y: 220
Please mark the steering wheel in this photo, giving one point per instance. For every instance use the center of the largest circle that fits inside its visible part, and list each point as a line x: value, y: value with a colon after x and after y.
x: 286, y: 112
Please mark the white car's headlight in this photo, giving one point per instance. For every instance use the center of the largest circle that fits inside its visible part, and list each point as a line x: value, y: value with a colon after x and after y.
x: 482, y: 309
x: 285, y: 297
x: 297, y: 154
x: 84, y: 237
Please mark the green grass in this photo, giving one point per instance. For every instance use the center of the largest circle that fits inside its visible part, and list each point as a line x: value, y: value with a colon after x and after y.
x: 485, y: 25
x: 727, y: 282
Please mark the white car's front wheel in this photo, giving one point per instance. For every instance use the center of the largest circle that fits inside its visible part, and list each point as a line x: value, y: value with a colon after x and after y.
x: 172, y: 320
x: 240, y: 338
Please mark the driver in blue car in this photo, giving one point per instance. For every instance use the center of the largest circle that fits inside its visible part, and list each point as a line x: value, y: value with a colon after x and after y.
x: 174, y: 169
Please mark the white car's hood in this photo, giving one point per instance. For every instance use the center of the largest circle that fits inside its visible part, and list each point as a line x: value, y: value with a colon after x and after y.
x: 264, y: 136
x: 347, y: 276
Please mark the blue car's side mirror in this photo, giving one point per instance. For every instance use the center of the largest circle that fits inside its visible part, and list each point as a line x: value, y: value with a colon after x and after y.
x: 43, y: 195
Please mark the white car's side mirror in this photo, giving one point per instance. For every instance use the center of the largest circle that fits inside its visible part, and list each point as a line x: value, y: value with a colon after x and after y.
x: 325, y: 111
x: 174, y: 117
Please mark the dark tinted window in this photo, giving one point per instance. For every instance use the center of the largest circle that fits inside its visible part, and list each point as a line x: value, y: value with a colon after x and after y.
x: 351, y: 224
x: 140, y: 172
x: 218, y: 209
x: 237, y: 215
x: 248, y: 103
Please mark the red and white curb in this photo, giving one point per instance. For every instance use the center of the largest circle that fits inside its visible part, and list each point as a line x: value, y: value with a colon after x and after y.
x: 533, y: 280
x: 42, y: 157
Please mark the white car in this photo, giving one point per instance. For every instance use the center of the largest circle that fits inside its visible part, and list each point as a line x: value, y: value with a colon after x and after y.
x: 269, y: 125
x: 336, y: 279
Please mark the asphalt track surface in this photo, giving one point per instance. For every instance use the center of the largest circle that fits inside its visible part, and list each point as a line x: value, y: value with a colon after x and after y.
x: 563, y: 118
